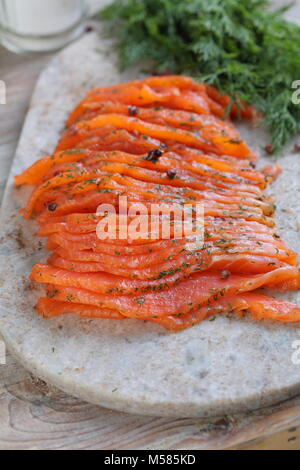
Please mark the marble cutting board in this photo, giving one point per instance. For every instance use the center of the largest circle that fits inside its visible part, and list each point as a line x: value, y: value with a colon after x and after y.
x: 222, y: 366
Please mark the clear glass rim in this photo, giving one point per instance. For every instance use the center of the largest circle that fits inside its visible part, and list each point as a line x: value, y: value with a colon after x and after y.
x: 84, y: 16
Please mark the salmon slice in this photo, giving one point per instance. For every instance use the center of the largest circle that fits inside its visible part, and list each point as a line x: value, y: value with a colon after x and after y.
x: 241, y: 264
x: 178, y: 119
x: 217, y: 236
x: 79, y: 242
x: 121, y: 140
x: 103, y: 137
x: 102, y: 183
x: 213, y: 225
x: 175, y: 118
x: 166, y: 81
x: 218, y: 103
x: 143, y: 95
x: 49, y: 308
x: 183, y: 179
x: 98, y: 157
x: 257, y: 248
x: 245, y: 264
x: 272, y: 172
x: 220, y: 145
x: 288, y: 284
x: 222, y: 229
x: 165, y: 162
x: 115, y: 183
x: 183, y: 267
x: 200, y: 290
x: 174, y: 161
x: 91, y: 180
x: 259, y: 307
x: 32, y: 175
x: 64, y: 206
x: 106, y: 283
x: 217, y: 225
x: 79, y: 223
x: 55, y: 242
x: 137, y: 144
x: 222, y: 241
x: 129, y: 261
x: 239, y: 109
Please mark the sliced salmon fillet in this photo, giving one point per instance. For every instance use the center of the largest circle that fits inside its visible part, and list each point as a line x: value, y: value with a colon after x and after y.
x: 164, y: 141
x: 78, y: 223
x: 116, y: 184
x: 106, y: 283
x: 176, y: 118
x: 183, y: 267
x: 259, y: 307
x: 239, y: 109
x: 79, y: 242
x: 33, y: 174
x: 228, y: 264
x: 200, y: 290
x: 218, y: 103
x: 165, y: 162
x: 165, y: 81
x: 118, y: 139
x: 220, y: 145
x: 130, y: 261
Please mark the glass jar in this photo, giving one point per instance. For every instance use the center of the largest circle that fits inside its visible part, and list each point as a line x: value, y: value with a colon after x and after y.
x: 39, y: 25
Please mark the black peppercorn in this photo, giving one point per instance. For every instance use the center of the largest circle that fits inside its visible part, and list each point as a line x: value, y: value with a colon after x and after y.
x: 171, y: 174
x: 225, y: 274
x: 51, y: 206
x: 132, y: 110
x: 154, y: 155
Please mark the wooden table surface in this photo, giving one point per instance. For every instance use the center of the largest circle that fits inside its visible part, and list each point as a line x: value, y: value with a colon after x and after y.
x: 34, y: 415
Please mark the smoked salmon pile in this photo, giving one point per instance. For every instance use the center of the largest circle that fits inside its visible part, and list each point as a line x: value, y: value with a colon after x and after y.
x: 163, y: 140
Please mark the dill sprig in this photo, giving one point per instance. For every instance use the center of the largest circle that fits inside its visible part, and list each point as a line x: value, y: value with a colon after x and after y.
x: 242, y: 48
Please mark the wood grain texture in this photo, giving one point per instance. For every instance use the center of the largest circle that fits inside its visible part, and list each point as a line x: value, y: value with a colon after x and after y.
x: 34, y: 415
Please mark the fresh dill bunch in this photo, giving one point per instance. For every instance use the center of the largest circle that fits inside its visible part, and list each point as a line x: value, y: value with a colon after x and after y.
x: 241, y: 47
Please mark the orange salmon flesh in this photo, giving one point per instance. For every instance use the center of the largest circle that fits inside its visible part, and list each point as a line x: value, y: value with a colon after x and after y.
x: 162, y: 140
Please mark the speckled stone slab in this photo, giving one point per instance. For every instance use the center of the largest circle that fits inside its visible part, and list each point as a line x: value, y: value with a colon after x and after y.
x: 217, y: 367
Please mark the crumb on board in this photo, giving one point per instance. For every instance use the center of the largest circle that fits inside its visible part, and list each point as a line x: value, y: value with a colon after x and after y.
x: 16, y: 235
x: 289, y: 210
x: 19, y: 237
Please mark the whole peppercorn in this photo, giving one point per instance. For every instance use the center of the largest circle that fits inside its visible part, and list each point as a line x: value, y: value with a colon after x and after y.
x: 51, y: 206
x: 269, y: 149
x: 154, y: 155
x: 132, y: 110
x: 225, y: 274
x: 171, y: 174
